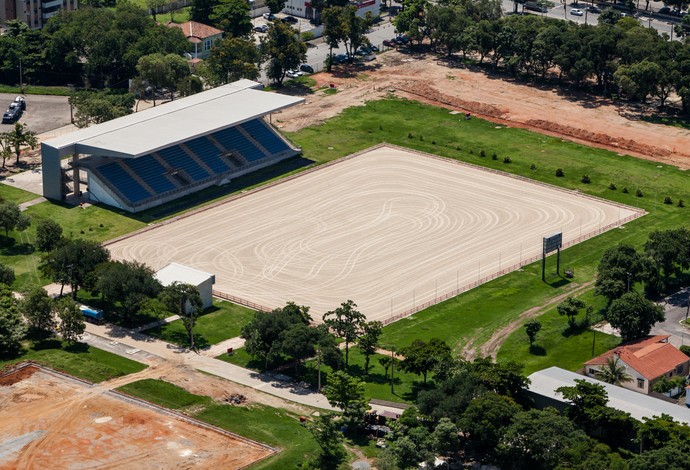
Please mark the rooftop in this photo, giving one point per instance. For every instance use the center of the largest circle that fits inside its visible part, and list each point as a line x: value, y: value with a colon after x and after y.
x: 546, y: 381
x: 195, y: 30
x: 652, y: 357
x: 178, y: 121
x: 176, y: 272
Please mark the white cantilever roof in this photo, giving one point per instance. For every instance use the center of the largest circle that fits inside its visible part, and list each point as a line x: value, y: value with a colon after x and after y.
x: 171, y: 123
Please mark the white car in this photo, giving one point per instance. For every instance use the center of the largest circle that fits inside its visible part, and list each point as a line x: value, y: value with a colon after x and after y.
x: 576, y: 12
x: 294, y: 73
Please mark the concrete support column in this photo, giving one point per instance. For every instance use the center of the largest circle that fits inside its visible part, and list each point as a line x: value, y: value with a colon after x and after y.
x: 52, y: 174
x: 75, y: 174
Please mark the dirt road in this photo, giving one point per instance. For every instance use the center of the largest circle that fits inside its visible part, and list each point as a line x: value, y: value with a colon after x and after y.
x: 554, y: 110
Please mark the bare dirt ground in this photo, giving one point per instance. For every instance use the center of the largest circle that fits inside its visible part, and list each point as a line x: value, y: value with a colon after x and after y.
x: 51, y: 421
x: 553, y: 110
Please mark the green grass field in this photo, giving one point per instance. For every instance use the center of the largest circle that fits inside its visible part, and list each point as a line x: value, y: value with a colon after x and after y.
x: 222, y: 321
x: 79, y: 360
x: 556, y: 343
x: 272, y: 426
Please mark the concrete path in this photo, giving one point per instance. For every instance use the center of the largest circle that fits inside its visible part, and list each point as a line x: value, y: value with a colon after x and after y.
x: 25, y: 205
x: 155, y: 324
x: 222, y: 347
x: 134, y: 345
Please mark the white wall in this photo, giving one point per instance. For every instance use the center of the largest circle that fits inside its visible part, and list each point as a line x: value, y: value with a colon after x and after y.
x: 99, y: 193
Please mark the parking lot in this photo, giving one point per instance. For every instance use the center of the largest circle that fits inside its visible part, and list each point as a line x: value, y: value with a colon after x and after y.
x: 43, y: 113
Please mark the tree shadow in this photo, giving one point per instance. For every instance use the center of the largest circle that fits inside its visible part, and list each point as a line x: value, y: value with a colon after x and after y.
x: 78, y: 348
x: 537, y: 350
x: 575, y: 329
x: 47, y: 343
x: 417, y: 386
x: 295, y: 88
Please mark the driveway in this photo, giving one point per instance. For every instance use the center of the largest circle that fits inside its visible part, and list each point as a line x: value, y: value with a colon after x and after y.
x: 676, y: 309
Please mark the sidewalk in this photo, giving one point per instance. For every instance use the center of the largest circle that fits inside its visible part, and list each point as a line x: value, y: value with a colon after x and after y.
x: 222, y: 347
x: 130, y: 344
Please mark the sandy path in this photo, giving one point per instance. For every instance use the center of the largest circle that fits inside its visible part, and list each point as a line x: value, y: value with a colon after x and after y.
x: 556, y: 111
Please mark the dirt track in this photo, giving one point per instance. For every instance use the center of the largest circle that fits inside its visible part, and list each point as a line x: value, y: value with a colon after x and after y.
x: 556, y: 111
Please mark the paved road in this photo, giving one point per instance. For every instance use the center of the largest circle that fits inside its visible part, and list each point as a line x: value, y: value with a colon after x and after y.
x: 148, y: 350
x: 676, y: 308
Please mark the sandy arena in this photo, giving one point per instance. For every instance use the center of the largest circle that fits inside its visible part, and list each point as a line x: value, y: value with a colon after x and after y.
x: 52, y: 421
x: 389, y: 229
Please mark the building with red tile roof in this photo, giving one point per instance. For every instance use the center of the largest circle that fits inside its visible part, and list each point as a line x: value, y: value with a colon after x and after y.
x: 646, y: 360
x: 202, y: 36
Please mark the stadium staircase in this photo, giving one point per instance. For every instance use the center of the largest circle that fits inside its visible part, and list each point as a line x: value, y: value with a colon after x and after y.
x: 197, y: 163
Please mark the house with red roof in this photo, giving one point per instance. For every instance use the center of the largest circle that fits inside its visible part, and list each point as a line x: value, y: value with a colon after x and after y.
x: 202, y: 36
x: 646, y: 360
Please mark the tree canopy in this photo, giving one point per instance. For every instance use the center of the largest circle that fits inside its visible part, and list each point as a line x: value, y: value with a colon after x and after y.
x: 634, y: 315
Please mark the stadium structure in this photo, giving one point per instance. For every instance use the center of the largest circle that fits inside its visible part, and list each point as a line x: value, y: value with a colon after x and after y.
x: 160, y: 154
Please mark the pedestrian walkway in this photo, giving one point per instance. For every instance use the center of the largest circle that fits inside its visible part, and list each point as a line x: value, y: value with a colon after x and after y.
x: 155, y: 324
x: 222, y: 347
x: 131, y: 343
x: 25, y: 205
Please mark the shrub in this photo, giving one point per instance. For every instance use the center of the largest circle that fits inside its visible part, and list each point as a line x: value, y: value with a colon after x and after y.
x: 494, y: 156
x: 586, y: 179
x: 625, y: 191
x: 533, y: 167
x: 612, y: 187
x: 685, y: 350
x: 433, y: 142
x: 639, y: 193
x: 559, y: 173
x: 507, y: 160
x: 409, y: 135
x: 307, y: 36
x: 421, y: 137
x: 668, y: 200
x: 482, y: 154
x: 681, y: 203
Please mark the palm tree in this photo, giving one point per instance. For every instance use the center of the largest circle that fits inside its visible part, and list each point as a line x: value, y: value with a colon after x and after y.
x: 613, y: 372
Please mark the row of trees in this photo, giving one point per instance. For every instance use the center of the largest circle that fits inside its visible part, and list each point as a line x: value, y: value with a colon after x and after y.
x: 619, y: 54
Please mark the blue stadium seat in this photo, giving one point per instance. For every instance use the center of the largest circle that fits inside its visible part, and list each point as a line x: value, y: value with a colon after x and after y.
x: 208, y: 153
x: 232, y: 139
x: 258, y: 129
x: 151, y: 171
x: 178, y: 158
x: 119, y: 178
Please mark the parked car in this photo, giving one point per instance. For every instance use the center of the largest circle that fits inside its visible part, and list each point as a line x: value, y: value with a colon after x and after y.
x: 390, y: 42
x: 262, y: 28
x: 340, y: 59
x: 13, y: 113
x: 665, y: 10
x: 576, y: 12
x: 593, y: 9
x: 291, y: 20
x: 21, y: 102
x: 294, y: 73
x: 374, y: 48
x: 269, y: 16
x: 402, y: 39
x: 306, y: 68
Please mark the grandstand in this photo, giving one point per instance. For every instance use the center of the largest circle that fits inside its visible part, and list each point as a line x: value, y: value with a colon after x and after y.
x: 154, y: 156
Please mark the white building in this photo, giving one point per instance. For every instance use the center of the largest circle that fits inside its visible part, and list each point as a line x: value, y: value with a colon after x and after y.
x: 304, y: 9
x: 175, y: 272
x: 34, y: 13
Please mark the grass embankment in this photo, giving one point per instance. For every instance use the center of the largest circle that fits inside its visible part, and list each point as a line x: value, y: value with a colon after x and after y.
x: 477, y: 314
x: 222, y: 321
x: 79, y: 360
x: 272, y: 426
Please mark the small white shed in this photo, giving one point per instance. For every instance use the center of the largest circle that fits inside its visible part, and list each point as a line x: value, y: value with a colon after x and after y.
x: 176, y: 272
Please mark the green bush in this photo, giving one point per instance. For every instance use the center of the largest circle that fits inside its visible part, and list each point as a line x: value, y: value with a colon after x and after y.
x: 494, y: 156
x: 307, y: 36
x: 681, y: 203
x: 625, y: 191
x: 612, y: 187
x: 668, y: 200
x: 559, y: 173
x: 639, y: 193
x: 586, y: 179
x: 507, y: 160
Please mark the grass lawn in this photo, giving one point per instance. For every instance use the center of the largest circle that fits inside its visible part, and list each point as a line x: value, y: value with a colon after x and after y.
x: 556, y: 343
x: 272, y: 426
x: 480, y: 312
x: 9, y: 193
x: 222, y: 321
x: 80, y: 360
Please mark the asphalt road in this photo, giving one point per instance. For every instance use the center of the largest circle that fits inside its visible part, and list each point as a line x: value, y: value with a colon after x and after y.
x: 676, y: 308
x: 43, y: 113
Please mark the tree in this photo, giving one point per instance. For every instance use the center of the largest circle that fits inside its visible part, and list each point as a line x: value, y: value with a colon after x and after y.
x: 72, y: 324
x: 665, y: 457
x: 347, y: 393
x: 12, y: 328
x: 634, y: 315
x: 327, y: 435
x: 421, y: 358
x: 407, y: 454
x: 6, y: 149
x: 283, y: 49
x: 20, y: 137
x: 334, y: 31
x: 185, y: 300
x: 275, y: 6
x: 368, y: 342
x: 190, y: 85
x: 48, y: 234
x: 202, y: 10
x: 539, y: 440
x: 97, y: 107
x: 163, y: 71
x: 571, y: 307
x: 37, y: 308
x: 6, y: 275
x: 232, y: 16
x: 670, y: 251
x: 613, y: 372
x: 11, y: 218
x: 446, y: 437
x: 484, y: 422
x: 532, y: 327
x: 232, y: 59
x: 72, y: 262
x: 346, y: 323
x: 620, y: 268
x: 129, y: 282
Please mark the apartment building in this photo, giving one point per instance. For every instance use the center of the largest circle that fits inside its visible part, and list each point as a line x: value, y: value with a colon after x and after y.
x: 34, y: 13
